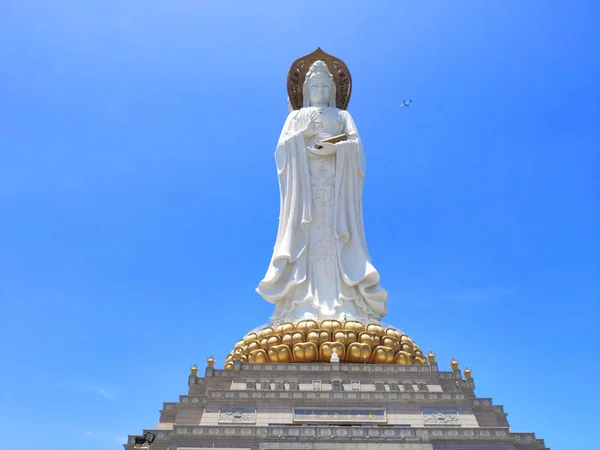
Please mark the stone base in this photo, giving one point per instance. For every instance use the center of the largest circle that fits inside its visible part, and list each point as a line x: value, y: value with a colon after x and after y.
x: 331, y: 406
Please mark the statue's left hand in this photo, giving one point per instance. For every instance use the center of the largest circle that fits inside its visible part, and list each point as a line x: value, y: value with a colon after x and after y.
x: 327, y: 148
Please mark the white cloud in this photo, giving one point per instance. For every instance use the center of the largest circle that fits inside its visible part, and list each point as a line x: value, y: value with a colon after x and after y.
x: 102, y: 392
x: 87, y: 386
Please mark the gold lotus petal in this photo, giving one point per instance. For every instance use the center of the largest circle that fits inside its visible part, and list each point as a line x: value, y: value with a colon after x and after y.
x: 228, y: 366
x: 393, y: 333
x: 306, y: 325
x: 419, y: 360
x: 400, y: 359
x: 250, y: 337
x: 382, y: 355
x: 291, y: 338
x: 239, y: 344
x: 404, y: 339
x: 267, y: 331
x: 326, y: 350
x: 331, y: 325
x: 358, y: 352
x: 270, y: 341
x: 344, y: 336
x: 252, y: 345
x: 258, y: 356
x: 407, y: 348
x: 284, y: 328
x: 377, y: 329
x: 318, y: 336
x: 306, y: 352
x: 369, y: 338
x: 280, y: 354
x: 391, y: 342
x: 354, y: 326
x: 403, y: 358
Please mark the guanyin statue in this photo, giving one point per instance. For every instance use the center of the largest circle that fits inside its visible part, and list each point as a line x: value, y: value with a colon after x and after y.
x: 321, y: 265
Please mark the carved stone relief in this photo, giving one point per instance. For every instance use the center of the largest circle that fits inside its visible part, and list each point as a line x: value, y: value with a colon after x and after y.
x: 441, y: 417
x: 237, y: 415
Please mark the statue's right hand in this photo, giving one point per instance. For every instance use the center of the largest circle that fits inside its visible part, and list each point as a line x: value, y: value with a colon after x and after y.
x: 313, y: 127
x: 311, y: 130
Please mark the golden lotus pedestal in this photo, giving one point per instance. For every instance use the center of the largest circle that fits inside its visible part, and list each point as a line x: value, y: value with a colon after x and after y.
x: 308, y: 341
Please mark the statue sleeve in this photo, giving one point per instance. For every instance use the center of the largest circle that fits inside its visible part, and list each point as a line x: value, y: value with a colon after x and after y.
x: 289, y: 130
x: 353, y: 136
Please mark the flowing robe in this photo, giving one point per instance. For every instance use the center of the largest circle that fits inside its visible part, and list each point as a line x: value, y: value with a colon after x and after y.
x: 320, y: 264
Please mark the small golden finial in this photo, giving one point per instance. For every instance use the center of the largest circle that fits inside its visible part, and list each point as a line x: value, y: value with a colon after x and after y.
x: 467, y: 373
x: 454, y: 364
x: 211, y: 361
x: 431, y: 357
x: 193, y: 370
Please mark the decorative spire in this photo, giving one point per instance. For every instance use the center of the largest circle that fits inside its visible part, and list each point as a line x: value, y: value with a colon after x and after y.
x: 454, y: 364
x: 193, y: 370
x: 468, y: 373
x: 211, y: 361
x: 431, y: 357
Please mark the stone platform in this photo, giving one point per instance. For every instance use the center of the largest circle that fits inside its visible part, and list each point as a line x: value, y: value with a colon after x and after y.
x: 330, y: 406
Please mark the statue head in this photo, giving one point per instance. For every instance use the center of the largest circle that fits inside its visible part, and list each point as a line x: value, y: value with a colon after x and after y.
x: 319, y: 86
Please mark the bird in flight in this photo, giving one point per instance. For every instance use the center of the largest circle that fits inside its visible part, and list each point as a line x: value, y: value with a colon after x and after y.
x: 406, y: 103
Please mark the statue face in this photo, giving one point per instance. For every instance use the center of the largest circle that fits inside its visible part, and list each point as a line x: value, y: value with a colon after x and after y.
x: 319, y: 90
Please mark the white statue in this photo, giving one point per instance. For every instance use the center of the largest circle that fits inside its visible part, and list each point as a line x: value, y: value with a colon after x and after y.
x: 320, y: 264
x: 335, y: 358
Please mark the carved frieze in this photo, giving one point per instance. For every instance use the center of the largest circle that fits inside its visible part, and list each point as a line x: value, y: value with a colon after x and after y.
x: 237, y: 415
x: 339, y: 415
x: 441, y: 417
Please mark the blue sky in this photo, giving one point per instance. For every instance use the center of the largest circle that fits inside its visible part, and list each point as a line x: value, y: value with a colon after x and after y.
x: 139, y: 200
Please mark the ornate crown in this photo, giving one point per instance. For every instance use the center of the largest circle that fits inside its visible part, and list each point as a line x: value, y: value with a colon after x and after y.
x: 318, y: 68
x: 338, y: 70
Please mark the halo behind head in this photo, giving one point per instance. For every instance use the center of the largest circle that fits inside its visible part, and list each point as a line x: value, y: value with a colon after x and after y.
x: 338, y: 70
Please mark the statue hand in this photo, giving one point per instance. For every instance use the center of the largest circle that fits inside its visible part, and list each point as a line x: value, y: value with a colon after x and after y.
x: 326, y: 148
x: 313, y: 127
x: 311, y: 130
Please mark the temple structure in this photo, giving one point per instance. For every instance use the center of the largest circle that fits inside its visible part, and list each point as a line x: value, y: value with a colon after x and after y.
x: 326, y: 373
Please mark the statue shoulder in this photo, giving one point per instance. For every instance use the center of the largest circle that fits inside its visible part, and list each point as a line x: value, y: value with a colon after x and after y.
x: 346, y: 115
